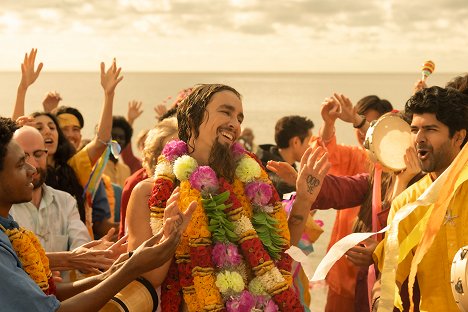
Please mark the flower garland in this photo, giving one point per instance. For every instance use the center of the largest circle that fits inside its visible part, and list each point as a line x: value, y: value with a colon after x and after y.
x: 231, y: 257
x: 32, y: 257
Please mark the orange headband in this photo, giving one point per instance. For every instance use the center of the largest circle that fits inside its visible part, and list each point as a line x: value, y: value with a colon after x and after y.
x: 67, y: 119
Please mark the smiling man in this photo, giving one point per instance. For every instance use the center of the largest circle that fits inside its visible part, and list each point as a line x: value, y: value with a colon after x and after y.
x: 236, y: 233
x: 439, y: 132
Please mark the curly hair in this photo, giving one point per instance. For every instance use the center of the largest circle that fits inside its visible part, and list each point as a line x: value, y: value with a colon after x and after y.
x: 449, y: 106
x: 153, y: 143
x: 7, y: 128
x: 191, y: 111
x: 291, y: 126
x: 121, y: 122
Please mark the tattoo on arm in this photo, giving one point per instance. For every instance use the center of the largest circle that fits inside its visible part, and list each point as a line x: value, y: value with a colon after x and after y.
x: 312, y: 183
x: 296, y: 219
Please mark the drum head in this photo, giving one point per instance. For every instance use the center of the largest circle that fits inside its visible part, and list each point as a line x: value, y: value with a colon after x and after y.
x: 391, y: 136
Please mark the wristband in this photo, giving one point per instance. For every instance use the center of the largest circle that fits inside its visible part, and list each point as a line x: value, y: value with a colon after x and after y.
x: 361, y: 124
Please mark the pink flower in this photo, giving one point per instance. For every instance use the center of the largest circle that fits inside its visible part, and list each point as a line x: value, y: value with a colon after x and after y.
x: 244, y: 303
x: 204, y: 179
x: 259, y: 193
x: 174, y: 149
x: 225, y: 255
x: 237, y: 149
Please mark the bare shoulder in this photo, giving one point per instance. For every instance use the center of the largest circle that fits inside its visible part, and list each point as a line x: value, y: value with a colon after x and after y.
x: 143, y: 187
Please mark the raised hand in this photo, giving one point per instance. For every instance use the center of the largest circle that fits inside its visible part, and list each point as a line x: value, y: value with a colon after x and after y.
x: 134, y: 111
x: 160, y: 110
x: 25, y: 121
x: 361, y: 255
x: 347, y: 113
x: 51, y: 101
x: 174, y: 219
x: 419, y: 85
x: 329, y: 110
x: 284, y: 170
x: 110, y: 78
x: 28, y: 73
x: 314, y: 167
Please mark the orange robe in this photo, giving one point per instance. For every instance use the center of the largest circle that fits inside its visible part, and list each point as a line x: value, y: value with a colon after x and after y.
x: 345, y: 160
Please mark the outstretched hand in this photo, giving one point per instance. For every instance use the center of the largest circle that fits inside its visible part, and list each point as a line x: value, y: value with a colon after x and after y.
x: 110, y: 78
x: 134, y: 111
x: 284, y: 170
x: 28, y: 73
x: 347, y: 113
x: 329, y: 110
x: 314, y: 167
x: 160, y: 110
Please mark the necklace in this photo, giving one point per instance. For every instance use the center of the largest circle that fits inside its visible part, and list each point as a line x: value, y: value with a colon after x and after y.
x: 231, y: 257
x: 32, y: 257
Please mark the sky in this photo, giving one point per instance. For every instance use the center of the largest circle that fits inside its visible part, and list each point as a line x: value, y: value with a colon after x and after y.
x: 237, y: 35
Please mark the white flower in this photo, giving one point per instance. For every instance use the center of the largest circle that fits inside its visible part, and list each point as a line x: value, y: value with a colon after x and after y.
x: 164, y: 168
x: 184, y: 166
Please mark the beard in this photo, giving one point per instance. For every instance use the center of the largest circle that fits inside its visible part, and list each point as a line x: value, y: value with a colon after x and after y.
x: 222, y: 161
x: 40, y: 179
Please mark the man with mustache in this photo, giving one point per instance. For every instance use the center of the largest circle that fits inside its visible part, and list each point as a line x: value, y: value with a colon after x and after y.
x: 27, y: 284
x: 205, y: 161
x: 439, y: 132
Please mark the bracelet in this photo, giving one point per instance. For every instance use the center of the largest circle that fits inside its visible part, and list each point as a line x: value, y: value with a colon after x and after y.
x: 363, y: 121
x: 102, y: 141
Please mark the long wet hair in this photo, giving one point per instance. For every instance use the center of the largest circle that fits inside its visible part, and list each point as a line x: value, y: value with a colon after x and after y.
x: 61, y: 176
x: 191, y: 111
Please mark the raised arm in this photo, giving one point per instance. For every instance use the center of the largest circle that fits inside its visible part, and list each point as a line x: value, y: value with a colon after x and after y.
x: 134, y: 111
x: 109, y: 81
x: 329, y: 111
x: 28, y: 77
x: 348, y: 114
x: 314, y: 167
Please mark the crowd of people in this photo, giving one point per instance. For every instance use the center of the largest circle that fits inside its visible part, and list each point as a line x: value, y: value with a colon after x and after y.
x: 205, y: 218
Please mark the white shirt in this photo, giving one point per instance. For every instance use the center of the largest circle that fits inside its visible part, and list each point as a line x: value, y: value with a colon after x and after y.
x: 56, y: 223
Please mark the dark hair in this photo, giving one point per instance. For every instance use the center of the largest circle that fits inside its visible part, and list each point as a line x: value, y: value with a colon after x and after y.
x: 449, y: 106
x: 121, y: 122
x: 289, y: 127
x: 460, y: 83
x: 191, y: 111
x: 61, y: 176
x: 382, y: 106
x: 7, y: 128
x: 70, y: 110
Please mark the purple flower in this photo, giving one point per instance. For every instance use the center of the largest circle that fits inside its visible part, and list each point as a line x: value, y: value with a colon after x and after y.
x: 244, y: 303
x: 226, y: 255
x: 174, y: 149
x: 259, y: 193
x: 204, y: 179
x: 237, y: 149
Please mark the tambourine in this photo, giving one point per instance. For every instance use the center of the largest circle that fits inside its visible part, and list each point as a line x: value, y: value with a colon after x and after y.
x: 138, y: 296
x: 458, y: 279
x: 387, y: 140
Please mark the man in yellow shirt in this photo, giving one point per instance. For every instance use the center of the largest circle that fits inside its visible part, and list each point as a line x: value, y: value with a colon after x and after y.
x: 439, y: 131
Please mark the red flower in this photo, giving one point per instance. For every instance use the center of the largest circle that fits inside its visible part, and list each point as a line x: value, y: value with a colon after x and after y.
x: 185, y: 274
x: 285, y: 262
x: 226, y: 186
x: 161, y: 192
x: 254, y: 252
x: 288, y: 301
x: 170, y: 290
x: 201, y: 256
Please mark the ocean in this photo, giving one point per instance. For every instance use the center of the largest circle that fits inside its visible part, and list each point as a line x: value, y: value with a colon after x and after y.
x: 266, y: 96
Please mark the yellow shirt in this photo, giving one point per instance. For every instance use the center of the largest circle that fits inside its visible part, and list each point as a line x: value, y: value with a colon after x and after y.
x: 82, y: 166
x: 117, y: 172
x: 434, y: 270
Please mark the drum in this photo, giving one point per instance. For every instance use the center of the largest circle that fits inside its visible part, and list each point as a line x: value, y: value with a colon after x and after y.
x: 458, y: 279
x: 387, y: 140
x: 138, y: 296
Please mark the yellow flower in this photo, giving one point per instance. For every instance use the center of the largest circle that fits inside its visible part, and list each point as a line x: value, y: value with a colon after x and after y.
x: 228, y: 282
x: 248, y: 169
x: 184, y: 166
